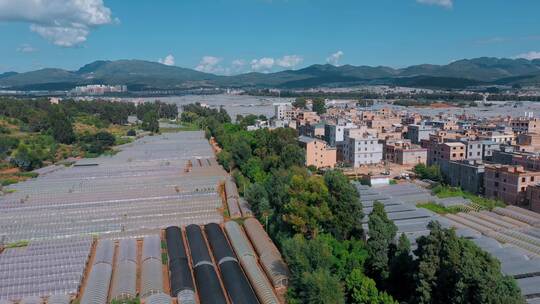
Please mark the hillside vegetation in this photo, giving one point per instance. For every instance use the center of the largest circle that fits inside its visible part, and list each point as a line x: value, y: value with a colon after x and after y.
x: 35, y: 133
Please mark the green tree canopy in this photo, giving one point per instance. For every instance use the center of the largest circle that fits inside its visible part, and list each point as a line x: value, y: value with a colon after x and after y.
x: 450, y: 269
x: 61, y: 126
x: 150, y: 122
x: 382, y: 233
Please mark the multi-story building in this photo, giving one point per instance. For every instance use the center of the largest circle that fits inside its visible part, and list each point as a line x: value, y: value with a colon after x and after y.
x: 312, y: 130
x: 361, y: 149
x: 334, y: 133
x: 416, y: 133
x: 446, y: 152
x: 404, y: 153
x: 498, y: 137
x: 533, y: 197
x: 307, y: 117
x: 509, y: 183
x: 525, y: 125
x: 467, y: 174
x: 479, y: 149
x: 280, y: 110
x: 318, y: 153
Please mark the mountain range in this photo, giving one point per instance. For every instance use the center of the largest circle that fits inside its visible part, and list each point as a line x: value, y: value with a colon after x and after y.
x: 146, y: 75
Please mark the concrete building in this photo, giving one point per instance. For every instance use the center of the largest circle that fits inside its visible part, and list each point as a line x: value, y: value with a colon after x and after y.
x: 334, y: 133
x: 404, y: 153
x: 533, y: 197
x: 525, y: 125
x: 467, y: 174
x: 280, y: 110
x: 449, y: 151
x: 318, y: 153
x: 307, y: 117
x: 480, y: 149
x: 498, y: 137
x: 312, y: 130
x: 361, y: 149
x: 509, y: 183
x: 418, y: 132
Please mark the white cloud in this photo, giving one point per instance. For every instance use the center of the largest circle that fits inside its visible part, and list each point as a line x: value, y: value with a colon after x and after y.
x: 443, y: 3
x: 26, y: 48
x: 529, y: 55
x: 264, y: 64
x: 334, y: 58
x: 168, y: 60
x: 210, y: 64
x: 65, y: 23
x: 289, y: 61
x: 238, y: 63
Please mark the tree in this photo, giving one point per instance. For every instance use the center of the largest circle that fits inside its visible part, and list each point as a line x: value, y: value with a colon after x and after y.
x: 310, y: 262
x: 292, y: 155
x: 7, y: 144
x: 61, y: 127
x: 307, y: 210
x: 319, y: 106
x: 382, y: 233
x: 321, y: 287
x: 150, y: 122
x: 400, y: 282
x: 345, y: 205
x: 450, y: 269
x: 432, y: 172
x: 362, y: 290
x: 25, y: 158
x: 299, y: 103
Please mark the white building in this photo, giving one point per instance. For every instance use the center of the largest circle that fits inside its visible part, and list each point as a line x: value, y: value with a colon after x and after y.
x: 361, y: 149
x: 334, y: 134
x: 280, y: 110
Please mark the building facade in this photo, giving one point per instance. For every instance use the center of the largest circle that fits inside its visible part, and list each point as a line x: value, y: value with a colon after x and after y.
x: 362, y: 149
x: 509, y: 183
x: 318, y: 153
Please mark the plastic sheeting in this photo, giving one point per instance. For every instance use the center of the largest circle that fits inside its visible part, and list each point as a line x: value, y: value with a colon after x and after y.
x: 97, y: 287
x: 151, y: 277
x: 159, y: 298
x: 236, y: 283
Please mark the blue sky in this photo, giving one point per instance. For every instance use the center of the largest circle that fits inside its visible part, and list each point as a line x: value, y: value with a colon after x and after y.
x: 233, y: 36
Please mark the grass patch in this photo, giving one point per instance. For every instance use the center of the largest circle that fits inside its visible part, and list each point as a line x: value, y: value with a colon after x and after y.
x: 439, y: 209
x: 8, y: 181
x: 127, y: 301
x: 164, y: 258
x: 17, y: 244
x: 444, y: 191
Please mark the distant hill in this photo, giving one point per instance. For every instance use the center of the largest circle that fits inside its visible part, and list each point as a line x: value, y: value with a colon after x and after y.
x: 150, y: 75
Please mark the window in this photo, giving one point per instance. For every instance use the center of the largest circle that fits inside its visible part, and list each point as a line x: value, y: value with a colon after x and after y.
x: 496, y: 184
x: 532, y: 178
x: 477, y: 153
x: 453, y: 154
x: 522, y: 188
x: 523, y: 179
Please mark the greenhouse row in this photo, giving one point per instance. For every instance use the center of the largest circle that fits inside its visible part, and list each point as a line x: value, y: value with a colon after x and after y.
x: 44, y: 268
x: 143, y: 187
